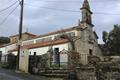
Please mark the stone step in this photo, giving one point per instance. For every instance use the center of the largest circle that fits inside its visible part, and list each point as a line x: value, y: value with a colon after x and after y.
x: 55, y: 71
x: 62, y: 72
x: 56, y: 75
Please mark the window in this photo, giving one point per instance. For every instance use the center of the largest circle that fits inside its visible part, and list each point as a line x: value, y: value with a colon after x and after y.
x: 47, y: 39
x: 38, y: 40
x: 56, y: 50
x: 56, y: 56
x: 44, y: 39
x: 0, y: 53
x: 90, y: 52
x: 57, y: 37
x: 34, y: 53
x: 29, y: 53
x: 71, y: 34
x: 28, y: 43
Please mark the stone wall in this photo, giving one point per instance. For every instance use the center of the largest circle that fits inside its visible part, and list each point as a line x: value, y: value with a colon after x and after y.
x: 86, y: 73
x: 87, y: 43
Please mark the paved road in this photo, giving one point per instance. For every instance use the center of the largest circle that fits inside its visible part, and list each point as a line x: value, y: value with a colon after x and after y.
x: 12, y: 75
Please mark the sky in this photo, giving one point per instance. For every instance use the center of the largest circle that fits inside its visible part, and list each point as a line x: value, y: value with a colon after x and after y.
x: 43, y: 16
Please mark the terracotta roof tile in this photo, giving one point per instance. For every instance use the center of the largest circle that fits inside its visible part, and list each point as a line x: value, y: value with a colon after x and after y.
x: 43, y: 44
x: 30, y: 34
x: 2, y: 46
x: 58, y: 31
x: 47, y: 34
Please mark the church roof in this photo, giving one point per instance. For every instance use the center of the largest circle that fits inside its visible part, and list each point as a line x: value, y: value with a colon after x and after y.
x: 42, y: 44
x: 86, y: 4
x: 27, y: 33
x: 58, y: 31
x: 43, y: 35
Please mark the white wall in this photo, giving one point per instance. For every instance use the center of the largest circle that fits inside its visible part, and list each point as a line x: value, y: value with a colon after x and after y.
x: 39, y: 51
x: 3, y: 50
x: 10, y: 47
x: 13, y: 46
x: 43, y: 50
x: 64, y: 59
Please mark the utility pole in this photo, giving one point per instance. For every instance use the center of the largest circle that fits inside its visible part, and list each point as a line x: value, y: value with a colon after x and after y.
x: 20, y: 33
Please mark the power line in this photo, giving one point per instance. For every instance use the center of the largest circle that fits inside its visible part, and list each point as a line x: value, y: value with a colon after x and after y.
x: 8, y: 15
x: 71, y: 1
x: 103, y: 13
x: 8, y: 2
x: 61, y: 1
x: 8, y: 7
x: 52, y: 8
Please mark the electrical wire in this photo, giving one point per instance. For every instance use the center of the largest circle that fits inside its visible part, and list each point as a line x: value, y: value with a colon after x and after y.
x: 52, y: 8
x: 8, y: 15
x: 61, y: 1
x: 71, y: 1
x: 8, y: 7
x: 103, y: 13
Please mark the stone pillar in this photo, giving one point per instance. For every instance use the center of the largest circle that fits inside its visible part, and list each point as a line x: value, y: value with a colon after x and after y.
x: 24, y: 60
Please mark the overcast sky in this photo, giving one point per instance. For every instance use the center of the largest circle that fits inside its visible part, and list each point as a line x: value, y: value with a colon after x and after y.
x: 42, y: 16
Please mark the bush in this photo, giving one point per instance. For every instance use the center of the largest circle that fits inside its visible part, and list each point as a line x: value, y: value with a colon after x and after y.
x: 4, y: 65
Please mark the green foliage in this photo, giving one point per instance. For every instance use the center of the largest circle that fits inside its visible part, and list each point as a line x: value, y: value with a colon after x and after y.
x: 105, y: 36
x: 112, y: 40
x: 4, y: 40
x: 4, y: 65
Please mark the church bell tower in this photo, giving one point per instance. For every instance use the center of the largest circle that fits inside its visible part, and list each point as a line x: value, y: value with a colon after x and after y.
x: 86, y: 13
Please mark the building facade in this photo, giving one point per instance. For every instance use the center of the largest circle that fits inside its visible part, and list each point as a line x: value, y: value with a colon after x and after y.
x: 81, y: 37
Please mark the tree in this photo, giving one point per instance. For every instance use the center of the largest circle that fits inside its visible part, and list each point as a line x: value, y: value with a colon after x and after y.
x: 74, y: 55
x: 104, y: 46
x: 4, y: 40
x: 105, y: 36
x: 112, y: 40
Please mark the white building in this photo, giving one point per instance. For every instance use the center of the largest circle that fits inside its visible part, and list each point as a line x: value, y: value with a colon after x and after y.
x: 83, y: 36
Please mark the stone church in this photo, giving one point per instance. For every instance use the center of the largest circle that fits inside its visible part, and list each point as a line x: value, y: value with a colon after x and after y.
x: 80, y: 38
x: 87, y: 44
